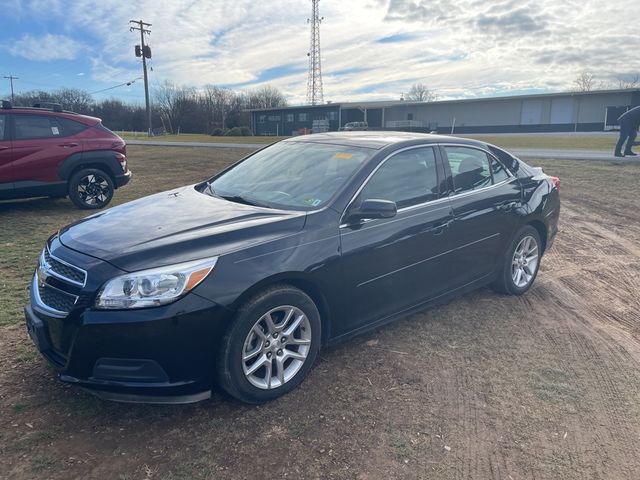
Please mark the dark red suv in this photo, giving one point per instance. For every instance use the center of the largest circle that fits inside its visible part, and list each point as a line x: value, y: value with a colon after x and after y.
x: 55, y: 153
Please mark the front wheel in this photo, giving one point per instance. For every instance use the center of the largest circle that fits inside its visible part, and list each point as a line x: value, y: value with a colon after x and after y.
x: 270, y: 345
x: 521, y: 263
x: 91, y: 188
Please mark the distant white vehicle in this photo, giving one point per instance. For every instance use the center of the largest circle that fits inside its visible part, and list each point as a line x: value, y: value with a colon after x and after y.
x: 353, y: 126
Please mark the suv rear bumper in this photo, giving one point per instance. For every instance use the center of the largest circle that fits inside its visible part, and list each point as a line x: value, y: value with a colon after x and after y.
x: 121, y: 180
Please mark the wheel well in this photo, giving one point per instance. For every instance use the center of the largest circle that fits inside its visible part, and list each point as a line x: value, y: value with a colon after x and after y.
x: 307, y: 287
x: 542, y: 231
x: 98, y: 166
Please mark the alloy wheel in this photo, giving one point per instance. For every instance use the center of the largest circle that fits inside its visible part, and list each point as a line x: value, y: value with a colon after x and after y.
x: 276, y: 347
x: 93, y: 189
x: 525, y: 261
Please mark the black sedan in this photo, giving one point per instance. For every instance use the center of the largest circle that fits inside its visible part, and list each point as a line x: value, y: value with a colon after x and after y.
x: 238, y: 281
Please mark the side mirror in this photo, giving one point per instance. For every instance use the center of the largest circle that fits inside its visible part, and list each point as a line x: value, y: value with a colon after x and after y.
x: 373, y: 208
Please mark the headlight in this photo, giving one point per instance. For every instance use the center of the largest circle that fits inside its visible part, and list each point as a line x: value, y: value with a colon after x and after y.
x: 150, y: 288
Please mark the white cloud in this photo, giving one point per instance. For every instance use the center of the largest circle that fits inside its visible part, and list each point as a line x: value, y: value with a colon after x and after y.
x: 47, y: 47
x: 458, y: 47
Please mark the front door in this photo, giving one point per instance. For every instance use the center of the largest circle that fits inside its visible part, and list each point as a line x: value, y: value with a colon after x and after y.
x: 395, y: 263
x: 485, y: 199
x: 40, y: 145
x: 6, y: 173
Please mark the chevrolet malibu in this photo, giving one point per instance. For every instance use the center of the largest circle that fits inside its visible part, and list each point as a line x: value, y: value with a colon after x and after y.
x: 239, y: 281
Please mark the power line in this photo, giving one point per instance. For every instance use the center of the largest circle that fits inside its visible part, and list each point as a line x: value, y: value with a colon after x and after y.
x: 145, y: 52
x: 11, y: 78
x: 116, y: 86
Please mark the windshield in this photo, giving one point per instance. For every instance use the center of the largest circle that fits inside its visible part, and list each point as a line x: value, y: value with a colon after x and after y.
x: 290, y: 175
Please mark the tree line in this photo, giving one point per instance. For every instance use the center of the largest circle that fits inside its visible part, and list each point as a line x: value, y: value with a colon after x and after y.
x: 175, y: 108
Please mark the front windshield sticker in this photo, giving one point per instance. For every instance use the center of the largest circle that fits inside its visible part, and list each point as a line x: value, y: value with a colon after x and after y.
x: 314, y: 202
x: 344, y: 156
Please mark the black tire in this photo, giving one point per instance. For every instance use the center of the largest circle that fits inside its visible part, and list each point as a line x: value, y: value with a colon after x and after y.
x: 91, y: 189
x: 230, y: 366
x: 505, y: 282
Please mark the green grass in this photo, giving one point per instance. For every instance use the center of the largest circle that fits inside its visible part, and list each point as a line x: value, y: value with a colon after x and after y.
x: 564, y: 142
x: 581, y: 141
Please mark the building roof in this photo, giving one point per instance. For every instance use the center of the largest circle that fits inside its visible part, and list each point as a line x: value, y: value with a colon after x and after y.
x: 396, y: 103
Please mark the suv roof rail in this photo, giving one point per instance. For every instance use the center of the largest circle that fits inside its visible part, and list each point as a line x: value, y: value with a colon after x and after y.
x: 56, y: 107
x: 6, y: 104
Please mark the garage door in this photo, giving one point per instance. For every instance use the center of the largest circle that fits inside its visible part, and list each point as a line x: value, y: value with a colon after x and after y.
x: 531, y: 112
x: 562, y: 110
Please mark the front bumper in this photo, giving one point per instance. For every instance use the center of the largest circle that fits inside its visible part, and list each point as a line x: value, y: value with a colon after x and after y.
x: 154, y: 355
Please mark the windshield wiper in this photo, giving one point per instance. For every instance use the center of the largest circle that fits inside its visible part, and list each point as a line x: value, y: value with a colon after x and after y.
x: 241, y: 199
x: 210, y: 189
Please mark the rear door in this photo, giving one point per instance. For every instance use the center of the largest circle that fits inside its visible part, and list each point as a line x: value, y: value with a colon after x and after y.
x: 41, y: 143
x: 485, y: 198
x: 394, y: 263
x: 6, y: 175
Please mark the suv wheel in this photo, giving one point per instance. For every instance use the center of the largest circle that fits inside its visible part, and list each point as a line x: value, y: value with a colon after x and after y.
x: 270, y: 346
x: 90, y: 188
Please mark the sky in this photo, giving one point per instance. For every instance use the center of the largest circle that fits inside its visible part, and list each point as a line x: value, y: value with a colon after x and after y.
x: 371, y: 49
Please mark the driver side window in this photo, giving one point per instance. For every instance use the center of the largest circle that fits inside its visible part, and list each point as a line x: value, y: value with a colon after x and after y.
x: 408, y: 178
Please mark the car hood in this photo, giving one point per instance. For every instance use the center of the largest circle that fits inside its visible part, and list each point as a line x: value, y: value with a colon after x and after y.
x: 176, y: 226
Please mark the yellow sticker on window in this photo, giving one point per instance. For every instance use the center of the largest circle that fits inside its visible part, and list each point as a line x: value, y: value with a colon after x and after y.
x: 344, y: 156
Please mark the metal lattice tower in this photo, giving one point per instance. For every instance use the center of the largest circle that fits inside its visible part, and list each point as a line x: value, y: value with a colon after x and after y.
x: 314, y: 82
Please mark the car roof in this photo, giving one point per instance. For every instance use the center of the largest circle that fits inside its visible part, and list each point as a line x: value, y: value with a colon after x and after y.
x: 86, y: 119
x: 380, y: 139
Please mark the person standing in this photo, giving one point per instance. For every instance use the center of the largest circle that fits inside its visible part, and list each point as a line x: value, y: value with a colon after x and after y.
x: 629, y: 122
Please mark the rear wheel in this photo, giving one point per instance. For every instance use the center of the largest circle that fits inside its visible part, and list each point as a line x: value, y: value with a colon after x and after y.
x: 521, y: 263
x: 91, y: 188
x: 270, y: 345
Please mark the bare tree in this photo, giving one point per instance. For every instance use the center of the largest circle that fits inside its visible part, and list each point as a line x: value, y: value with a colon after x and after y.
x: 585, y: 82
x: 630, y: 81
x: 419, y: 92
x: 264, y: 97
x: 177, y: 104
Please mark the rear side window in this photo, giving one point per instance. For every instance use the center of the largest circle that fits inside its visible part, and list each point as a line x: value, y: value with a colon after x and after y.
x: 498, y: 171
x: 3, y: 122
x: 408, y: 178
x: 469, y: 167
x: 45, y: 126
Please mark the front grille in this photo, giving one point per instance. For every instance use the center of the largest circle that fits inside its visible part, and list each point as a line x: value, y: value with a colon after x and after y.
x: 56, y: 299
x: 56, y: 285
x: 63, y: 270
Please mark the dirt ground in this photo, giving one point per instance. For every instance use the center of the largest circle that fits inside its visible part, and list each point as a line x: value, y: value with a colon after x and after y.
x: 487, y: 387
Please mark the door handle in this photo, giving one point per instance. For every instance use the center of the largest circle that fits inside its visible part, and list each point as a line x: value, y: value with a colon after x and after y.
x: 4, y: 148
x: 440, y: 227
x: 68, y: 145
x: 508, y: 206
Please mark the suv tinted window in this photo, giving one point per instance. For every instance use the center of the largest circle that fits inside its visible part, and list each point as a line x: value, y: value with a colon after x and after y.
x: 408, y: 178
x: 2, y: 124
x: 469, y: 168
x: 70, y: 127
x: 44, y: 126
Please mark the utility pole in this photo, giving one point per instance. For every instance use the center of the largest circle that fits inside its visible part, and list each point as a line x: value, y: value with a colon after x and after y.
x: 145, y: 52
x: 11, y: 78
x: 314, y: 81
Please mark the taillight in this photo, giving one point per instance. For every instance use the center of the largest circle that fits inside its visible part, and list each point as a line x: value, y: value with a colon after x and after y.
x: 122, y: 159
x: 556, y: 181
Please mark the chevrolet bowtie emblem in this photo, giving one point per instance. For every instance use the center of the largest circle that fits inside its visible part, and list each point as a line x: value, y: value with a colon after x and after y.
x: 42, y: 275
